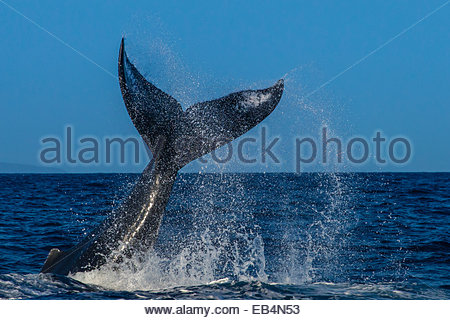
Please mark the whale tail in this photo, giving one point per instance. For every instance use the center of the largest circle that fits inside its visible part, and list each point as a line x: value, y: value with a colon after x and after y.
x: 175, y: 137
x: 183, y: 136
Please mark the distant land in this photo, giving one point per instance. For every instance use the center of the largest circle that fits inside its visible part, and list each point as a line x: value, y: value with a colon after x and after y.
x: 27, y: 168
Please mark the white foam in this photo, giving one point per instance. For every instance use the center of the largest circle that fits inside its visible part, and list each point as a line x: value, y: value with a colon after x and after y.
x: 199, y: 264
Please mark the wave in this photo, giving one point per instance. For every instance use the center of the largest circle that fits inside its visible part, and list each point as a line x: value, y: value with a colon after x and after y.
x: 44, y: 286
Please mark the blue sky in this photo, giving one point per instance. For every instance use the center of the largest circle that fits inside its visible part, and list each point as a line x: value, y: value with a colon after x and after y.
x: 204, y: 49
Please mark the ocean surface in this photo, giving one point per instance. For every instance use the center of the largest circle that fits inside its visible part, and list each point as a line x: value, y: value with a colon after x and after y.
x: 239, y: 236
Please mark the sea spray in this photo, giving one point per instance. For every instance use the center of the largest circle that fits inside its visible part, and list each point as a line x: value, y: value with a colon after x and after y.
x: 217, y: 240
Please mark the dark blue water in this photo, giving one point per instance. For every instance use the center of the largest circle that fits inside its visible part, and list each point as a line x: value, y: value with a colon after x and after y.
x: 234, y: 236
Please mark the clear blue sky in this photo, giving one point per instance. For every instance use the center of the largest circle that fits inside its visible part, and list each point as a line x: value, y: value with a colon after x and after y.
x: 204, y: 49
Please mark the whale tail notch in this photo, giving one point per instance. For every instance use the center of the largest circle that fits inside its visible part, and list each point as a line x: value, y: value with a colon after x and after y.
x: 184, y: 136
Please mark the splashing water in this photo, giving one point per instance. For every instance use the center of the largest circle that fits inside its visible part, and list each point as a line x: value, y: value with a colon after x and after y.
x: 196, y: 265
x: 219, y: 238
x: 217, y: 243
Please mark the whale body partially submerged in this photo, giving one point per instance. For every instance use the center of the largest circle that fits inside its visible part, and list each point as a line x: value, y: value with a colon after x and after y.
x: 175, y: 138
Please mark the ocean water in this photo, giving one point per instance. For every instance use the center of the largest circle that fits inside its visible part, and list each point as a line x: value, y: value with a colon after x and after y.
x: 239, y: 236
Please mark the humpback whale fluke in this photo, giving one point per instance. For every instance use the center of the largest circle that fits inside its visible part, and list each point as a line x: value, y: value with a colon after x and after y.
x: 175, y: 138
